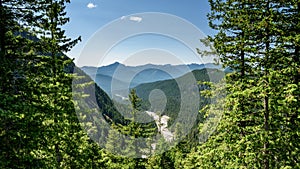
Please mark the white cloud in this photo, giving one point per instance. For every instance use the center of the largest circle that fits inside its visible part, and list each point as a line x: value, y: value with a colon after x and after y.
x: 91, y: 5
x: 136, y: 18
x: 123, y: 17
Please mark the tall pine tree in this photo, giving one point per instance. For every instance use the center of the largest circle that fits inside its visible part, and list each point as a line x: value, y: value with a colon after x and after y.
x: 256, y: 130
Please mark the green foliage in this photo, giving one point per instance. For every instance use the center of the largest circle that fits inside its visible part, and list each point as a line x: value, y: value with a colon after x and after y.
x: 39, y: 127
x: 256, y: 130
x: 43, y: 126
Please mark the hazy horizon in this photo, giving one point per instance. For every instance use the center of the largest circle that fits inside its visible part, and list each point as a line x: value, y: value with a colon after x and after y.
x: 118, y: 62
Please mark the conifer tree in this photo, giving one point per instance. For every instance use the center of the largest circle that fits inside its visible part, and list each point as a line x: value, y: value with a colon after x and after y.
x: 252, y: 40
x: 37, y: 113
x: 18, y: 115
x: 52, y: 46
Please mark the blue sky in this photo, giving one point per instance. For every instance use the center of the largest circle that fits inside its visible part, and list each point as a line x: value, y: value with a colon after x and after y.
x: 90, y: 17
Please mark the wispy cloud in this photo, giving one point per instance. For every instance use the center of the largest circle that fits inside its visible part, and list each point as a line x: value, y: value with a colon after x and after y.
x: 91, y: 5
x: 123, y: 17
x: 132, y: 18
x: 136, y: 18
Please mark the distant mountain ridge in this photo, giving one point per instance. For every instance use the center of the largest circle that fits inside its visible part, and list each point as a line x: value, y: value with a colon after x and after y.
x: 118, y: 76
x: 172, y: 92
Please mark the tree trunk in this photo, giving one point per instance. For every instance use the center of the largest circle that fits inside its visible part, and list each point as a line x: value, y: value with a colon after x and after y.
x: 2, y: 27
x: 266, y: 98
x: 266, y: 127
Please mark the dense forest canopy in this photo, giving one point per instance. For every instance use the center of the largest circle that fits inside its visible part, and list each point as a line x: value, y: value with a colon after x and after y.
x: 40, y: 121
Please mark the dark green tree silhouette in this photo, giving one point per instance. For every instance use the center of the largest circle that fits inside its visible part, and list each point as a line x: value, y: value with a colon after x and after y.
x: 252, y: 39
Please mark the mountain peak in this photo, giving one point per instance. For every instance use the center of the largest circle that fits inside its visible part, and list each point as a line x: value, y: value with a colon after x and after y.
x: 116, y: 63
